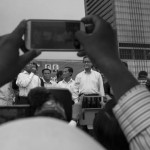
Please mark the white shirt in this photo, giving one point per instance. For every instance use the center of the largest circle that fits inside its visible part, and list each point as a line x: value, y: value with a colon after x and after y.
x: 68, y: 85
x: 26, y: 82
x: 133, y: 114
x: 50, y: 84
x: 6, y: 94
x: 88, y: 83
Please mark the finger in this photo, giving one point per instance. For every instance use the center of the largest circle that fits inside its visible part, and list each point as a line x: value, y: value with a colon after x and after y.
x: 95, y: 21
x: 90, y: 19
x: 20, y: 30
x: 81, y: 36
x: 27, y: 57
x: 23, y: 48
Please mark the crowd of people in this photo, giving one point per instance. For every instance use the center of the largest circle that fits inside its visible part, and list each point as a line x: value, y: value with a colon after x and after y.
x: 127, y: 114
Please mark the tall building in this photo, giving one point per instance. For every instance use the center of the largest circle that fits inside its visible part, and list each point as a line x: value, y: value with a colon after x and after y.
x: 131, y: 19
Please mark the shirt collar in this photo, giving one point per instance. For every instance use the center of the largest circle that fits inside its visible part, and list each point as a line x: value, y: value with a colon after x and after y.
x: 25, y: 72
x: 67, y: 82
x: 45, y: 81
x: 90, y: 71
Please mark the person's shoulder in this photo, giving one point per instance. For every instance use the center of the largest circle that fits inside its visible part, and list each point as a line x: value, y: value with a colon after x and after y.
x: 95, y: 72
x: 36, y: 76
x: 54, y: 83
x: 60, y: 82
x: 22, y: 73
x: 72, y: 80
x: 80, y: 73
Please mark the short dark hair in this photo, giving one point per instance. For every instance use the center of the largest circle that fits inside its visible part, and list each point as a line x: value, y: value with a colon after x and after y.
x: 142, y: 74
x: 37, y: 97
x: 46, y: 69
x: 70, y: 69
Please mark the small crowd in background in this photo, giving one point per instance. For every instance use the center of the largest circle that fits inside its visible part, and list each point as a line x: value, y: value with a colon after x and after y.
x: 16, y: 92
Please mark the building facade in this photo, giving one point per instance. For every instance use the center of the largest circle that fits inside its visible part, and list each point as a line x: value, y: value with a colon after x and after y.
x: 131, y: 19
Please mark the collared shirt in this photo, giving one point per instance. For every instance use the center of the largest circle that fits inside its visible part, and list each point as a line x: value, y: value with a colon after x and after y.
x: 68, y: 85
x: 50, y: 84
x: 26, y: 82
x: 88, y: 83
x: 133, y: 114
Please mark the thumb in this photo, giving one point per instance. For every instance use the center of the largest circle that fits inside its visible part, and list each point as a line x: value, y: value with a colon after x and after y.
x: 81, y: 36
x: 27, y: 57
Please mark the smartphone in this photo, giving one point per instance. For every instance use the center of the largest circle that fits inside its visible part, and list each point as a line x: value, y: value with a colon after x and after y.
x: 53, y: 35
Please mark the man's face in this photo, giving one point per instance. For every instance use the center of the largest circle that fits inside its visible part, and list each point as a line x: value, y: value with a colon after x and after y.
x: 34, y: 69
x: 28, y: 67
x: 46, y: 75
x: 66, y: 73
x: 87, y: 63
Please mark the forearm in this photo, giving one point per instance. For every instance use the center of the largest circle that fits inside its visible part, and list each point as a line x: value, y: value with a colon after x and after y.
x: 24, y: 80
x: 119, y: 77
x: 101, y: 90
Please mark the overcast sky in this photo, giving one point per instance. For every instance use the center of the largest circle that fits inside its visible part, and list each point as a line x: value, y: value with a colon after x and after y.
x: 13, y: 11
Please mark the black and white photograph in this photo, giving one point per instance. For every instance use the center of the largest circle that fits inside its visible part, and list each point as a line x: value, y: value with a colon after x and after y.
x: 75, y: 74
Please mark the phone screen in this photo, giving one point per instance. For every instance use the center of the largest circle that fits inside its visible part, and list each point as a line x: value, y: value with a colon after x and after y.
x: 48, y: 35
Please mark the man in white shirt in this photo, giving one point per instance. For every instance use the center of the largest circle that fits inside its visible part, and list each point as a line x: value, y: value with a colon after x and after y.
x: 88, y: 81
x: 26, y: 81
x: 67, y: 82
x: 46, y: 79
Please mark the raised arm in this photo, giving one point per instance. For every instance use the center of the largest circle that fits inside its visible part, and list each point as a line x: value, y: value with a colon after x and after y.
x: 11, y: 63
x: 133, y: 100
x: 101, y: 46
x: 23, y: 80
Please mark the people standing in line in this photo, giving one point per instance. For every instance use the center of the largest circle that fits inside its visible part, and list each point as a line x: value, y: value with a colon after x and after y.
x: 26, y: 81
x: 46, y: 79
x: 67, y: 81
x: 88, y: 82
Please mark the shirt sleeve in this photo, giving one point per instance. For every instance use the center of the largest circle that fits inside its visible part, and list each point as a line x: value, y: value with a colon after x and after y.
x: 75, y: 89
x: 23, y: 79
x: 39, y: 81
x: 101, y: 90
x: 133, y: 114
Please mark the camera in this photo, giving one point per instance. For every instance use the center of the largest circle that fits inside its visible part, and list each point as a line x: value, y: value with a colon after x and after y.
x: 52, y: 35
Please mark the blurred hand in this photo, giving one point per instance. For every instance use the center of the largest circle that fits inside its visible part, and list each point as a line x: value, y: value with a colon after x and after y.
x: 10, y: 62
x: 33, y: 70
x: 100, y: 45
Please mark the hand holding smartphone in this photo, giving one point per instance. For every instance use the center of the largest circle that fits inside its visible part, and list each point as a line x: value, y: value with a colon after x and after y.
x: 53, y: 35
